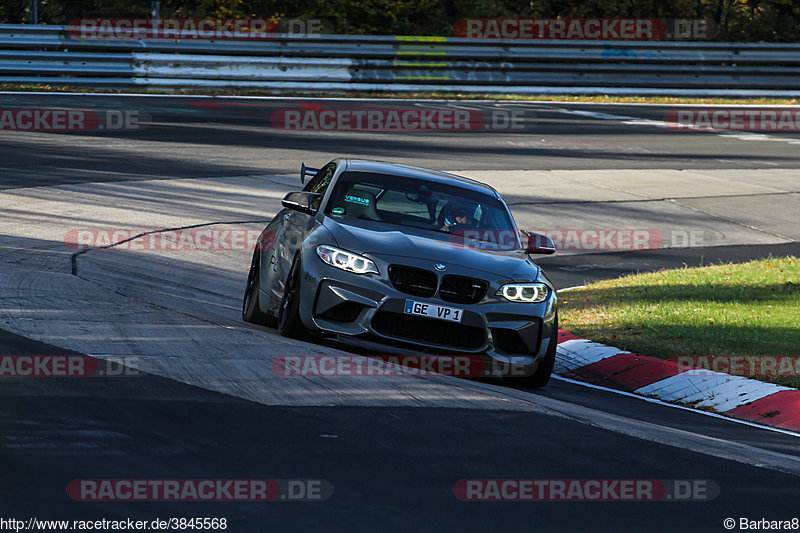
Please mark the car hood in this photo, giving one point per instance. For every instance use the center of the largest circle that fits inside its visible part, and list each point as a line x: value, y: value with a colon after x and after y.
x: 388, y: 241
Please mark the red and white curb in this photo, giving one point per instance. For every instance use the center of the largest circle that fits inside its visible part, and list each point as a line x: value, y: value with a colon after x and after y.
x: 736, y: 396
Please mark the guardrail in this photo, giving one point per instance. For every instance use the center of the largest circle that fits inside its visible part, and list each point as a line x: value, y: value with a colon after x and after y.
x: 48, y: 55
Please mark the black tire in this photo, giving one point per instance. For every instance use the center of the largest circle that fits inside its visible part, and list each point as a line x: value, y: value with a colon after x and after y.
x: 542, y: 375
x: 289, y: 322
x: 251, y: 312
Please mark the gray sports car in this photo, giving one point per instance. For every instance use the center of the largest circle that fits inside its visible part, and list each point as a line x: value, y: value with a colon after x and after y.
x: 405, y: 255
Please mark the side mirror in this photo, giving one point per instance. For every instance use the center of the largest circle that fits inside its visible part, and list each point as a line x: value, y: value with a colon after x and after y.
x: 539, y: 244
x: 306, y: 171
x: 300, y: 201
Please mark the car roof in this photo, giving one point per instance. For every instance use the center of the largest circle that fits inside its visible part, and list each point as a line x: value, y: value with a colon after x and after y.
x: 409, y: 171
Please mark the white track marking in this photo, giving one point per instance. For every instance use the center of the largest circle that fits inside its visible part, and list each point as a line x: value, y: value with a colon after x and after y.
x: 677, y: 406
x: 634, y: 121
x: 572, y: 288
x: 578, y: 353
x: 721, y: 392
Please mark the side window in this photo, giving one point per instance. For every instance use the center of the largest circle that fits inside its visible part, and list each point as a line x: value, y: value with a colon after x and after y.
x: 319, y: 183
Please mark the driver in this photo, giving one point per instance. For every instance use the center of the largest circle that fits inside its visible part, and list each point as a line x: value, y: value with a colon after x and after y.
x: 460, y: 215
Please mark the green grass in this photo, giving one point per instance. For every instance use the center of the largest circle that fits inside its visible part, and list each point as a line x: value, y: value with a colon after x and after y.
x: 607, y: 99
x: 729, y: 309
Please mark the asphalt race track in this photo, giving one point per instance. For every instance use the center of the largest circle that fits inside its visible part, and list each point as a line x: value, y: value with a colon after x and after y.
x: 201, y: 401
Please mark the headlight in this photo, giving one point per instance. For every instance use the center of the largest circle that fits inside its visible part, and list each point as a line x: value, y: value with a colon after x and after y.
x: 524, y: 292
x: 346, y: 260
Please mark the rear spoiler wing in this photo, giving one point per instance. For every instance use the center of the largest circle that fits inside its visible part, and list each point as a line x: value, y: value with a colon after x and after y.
x: 306, y: 171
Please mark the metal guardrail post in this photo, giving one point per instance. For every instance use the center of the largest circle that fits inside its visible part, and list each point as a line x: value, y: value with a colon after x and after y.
x: 34, y: 11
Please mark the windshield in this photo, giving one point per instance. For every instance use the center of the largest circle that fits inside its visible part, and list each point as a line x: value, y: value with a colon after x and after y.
x: 469, y: 216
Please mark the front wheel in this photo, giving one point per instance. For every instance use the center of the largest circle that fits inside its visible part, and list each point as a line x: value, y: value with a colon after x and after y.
x: 251, y: 311
x: 289, y: 323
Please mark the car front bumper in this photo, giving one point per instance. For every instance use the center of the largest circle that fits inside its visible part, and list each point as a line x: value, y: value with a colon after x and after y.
x: 511, y: 336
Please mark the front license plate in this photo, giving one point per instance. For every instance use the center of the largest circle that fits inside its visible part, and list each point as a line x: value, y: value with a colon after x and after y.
x: 433, y: 311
